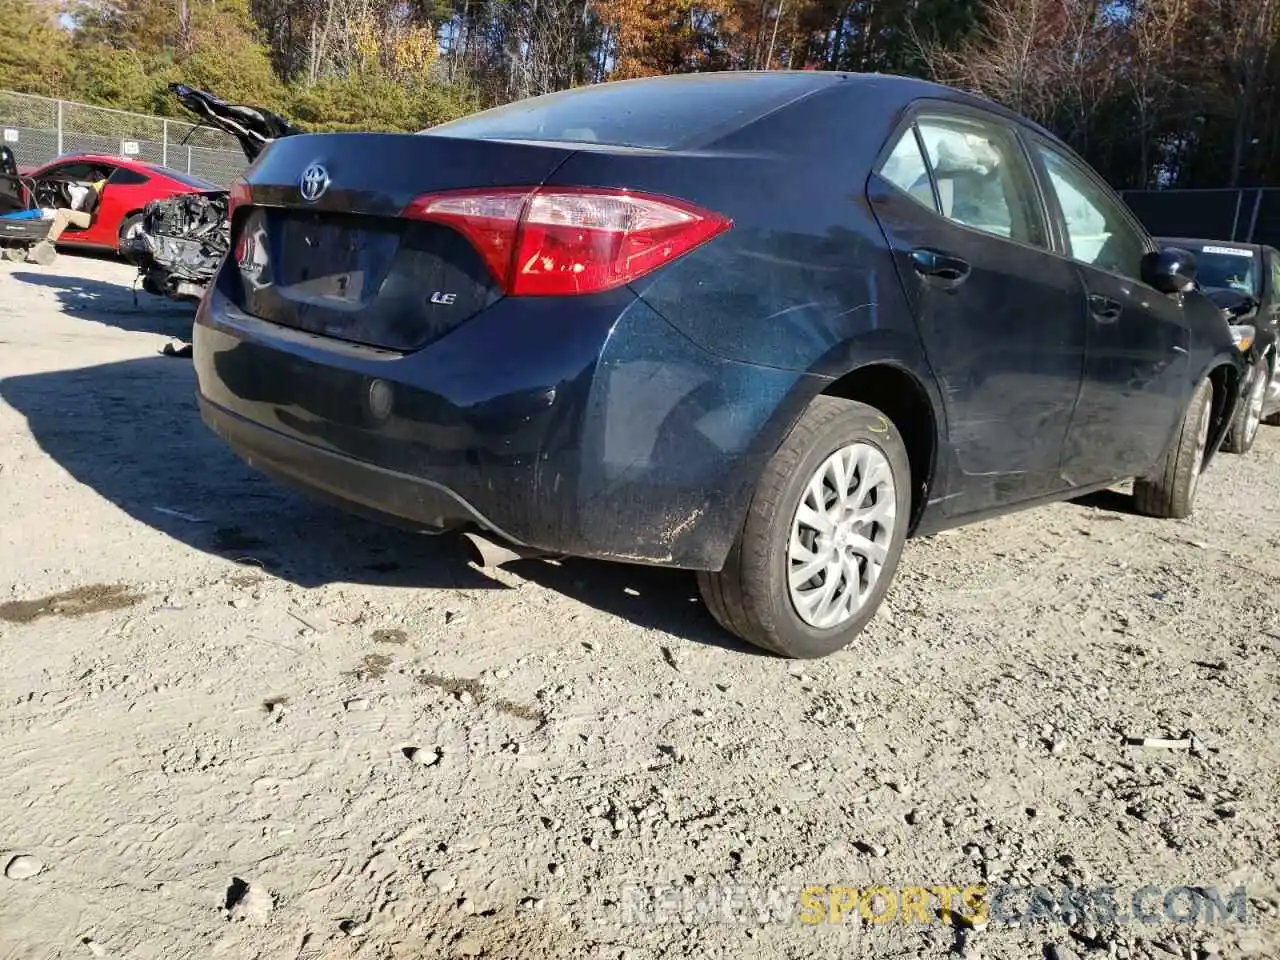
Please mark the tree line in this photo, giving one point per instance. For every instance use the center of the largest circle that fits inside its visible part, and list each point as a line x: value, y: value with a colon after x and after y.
x: 1178, y: 93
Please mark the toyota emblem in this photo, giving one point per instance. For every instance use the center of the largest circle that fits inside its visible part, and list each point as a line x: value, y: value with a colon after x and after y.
x: 314, y: 182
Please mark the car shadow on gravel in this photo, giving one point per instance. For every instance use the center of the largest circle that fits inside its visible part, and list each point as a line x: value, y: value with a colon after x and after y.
x: 656, y: 598
x: 130, y: 431
x: 1111, y: 501
x: 111, y: 304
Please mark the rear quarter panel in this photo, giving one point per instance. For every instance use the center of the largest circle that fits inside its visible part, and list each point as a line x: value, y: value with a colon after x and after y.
x: 803, y: 281
x: 803, y: 287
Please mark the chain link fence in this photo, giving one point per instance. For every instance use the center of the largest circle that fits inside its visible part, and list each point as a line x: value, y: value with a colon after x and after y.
x: 1245, y: 215
x: 38, y: 129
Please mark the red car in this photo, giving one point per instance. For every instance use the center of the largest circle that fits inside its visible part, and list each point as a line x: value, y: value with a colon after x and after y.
x: 130, y: 185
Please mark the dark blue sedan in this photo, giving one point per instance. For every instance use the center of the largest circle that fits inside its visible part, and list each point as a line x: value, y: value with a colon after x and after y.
x: 762, y: 326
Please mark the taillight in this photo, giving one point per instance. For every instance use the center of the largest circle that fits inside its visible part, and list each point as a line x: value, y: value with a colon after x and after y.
x: 239, y: 195
x: 558, y: 241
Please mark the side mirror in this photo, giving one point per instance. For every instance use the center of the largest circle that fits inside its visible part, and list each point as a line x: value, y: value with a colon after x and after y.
x: 1171, y: 270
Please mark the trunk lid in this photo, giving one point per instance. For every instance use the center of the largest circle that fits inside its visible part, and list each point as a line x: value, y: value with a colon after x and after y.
x: 254, y: 127
x: 337, y: 258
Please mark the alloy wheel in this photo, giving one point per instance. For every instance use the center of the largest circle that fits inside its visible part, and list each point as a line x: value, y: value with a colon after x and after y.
x: 1257, y: 397
x: 1202, y: 442
x: 840, y: 535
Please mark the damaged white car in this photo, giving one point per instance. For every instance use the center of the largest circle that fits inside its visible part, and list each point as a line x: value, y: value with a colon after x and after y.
x: 183, y: 239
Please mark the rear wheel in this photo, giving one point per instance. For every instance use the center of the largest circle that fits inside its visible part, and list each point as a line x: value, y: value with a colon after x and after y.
x: 822, y: 536
x: 1244, y: 426
x: 1171, y: 492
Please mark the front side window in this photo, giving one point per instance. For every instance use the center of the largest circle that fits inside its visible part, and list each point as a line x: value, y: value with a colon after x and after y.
x: 1274, y: 258
x: 982, y: 178
x: 71, y: 171
x: 1098, y: 230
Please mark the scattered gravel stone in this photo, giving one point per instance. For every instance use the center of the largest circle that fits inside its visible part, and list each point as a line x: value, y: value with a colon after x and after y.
x: 23, y: 867
x: 443, y: 880
x: 357, y: 704
x: 249, y: 902
x: 424, y: 756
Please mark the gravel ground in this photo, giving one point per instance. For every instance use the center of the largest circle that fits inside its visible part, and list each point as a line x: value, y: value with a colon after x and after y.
x: 239, y: 724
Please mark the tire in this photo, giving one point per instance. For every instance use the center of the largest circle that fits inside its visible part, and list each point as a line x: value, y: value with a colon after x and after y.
x: 1170, y: 493
x: 752, y: 596
x: 128, y: 225
x: 1244, y: 425
x: 1273, y: 419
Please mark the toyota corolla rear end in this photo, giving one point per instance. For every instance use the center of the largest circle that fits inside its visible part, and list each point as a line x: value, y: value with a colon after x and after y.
x: 444, y: 331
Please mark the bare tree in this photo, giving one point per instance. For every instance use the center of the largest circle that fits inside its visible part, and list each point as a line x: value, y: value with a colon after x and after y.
x: 1242, y: 37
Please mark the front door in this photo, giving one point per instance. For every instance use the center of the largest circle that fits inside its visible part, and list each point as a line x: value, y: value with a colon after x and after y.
x: 1001, y: 318
x: 1136, y: 367
x: 83, y: 172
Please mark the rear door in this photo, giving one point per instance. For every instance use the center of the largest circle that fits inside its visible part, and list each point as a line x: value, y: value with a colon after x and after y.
x: 1001, y: 318
x: 1136, y: 365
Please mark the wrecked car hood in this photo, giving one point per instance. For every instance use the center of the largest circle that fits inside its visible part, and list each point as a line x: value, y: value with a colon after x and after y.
x: 254, y: 127
x: 1229, y: 300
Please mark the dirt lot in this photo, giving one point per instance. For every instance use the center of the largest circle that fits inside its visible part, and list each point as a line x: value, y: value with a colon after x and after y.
x: 217, y: 693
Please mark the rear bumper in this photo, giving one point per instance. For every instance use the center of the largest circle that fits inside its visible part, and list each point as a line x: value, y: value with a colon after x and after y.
x: 588, y: 429
x: 355, y: 486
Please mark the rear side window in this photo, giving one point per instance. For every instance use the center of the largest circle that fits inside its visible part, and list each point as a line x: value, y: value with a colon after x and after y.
x: 983, y: 181
x: 127, y: 178
x: 662, y: 114
x: 184, y: 178
x: 979, y: 173
x: 905, y: 169
x: 1273, y: 258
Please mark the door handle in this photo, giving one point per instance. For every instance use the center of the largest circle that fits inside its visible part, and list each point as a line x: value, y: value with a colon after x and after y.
x: 1104, y: 309
x: 951, y: 271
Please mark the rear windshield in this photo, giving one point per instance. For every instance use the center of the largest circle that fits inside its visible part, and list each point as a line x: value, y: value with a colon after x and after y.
x: 1228, y: 268
x: 661, y: 113
x: 183, y: 178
